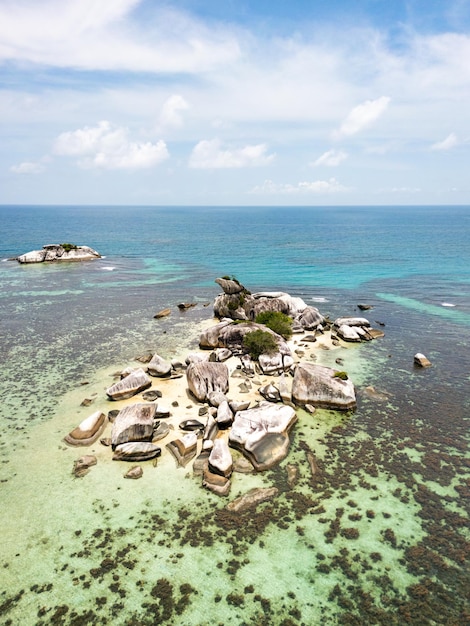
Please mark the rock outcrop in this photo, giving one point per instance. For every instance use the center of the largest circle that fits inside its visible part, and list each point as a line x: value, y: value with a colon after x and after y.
x: 322, y: 387
x: 59, y: 252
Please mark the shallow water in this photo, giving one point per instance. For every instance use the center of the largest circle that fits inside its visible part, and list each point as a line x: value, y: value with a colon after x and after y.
x: 378, y: 535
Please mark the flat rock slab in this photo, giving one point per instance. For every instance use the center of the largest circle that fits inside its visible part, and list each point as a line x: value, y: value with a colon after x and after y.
x: 136, y: 451
x: 82, y: 465
x: 134, y: 422
x: 133, y: 383
x: 251, y: 499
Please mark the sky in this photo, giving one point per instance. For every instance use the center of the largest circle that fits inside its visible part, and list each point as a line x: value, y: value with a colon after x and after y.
x: 235, y: 102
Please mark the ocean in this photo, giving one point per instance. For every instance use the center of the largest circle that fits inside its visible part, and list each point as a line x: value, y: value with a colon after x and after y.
x: 380, y: 533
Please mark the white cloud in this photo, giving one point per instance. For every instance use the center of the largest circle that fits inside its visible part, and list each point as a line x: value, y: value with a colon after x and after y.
x: 306, y: 187
x: 170, y: 116
x: 28, y: 167
x: 210, y: 155
x: 89, y: 35
x: 362, y: 116
x: 446, y: 144
x: 105, y: 147
x: 331, y: 158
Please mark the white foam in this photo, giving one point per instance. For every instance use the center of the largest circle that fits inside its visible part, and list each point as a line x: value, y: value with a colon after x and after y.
x: 109, y: 268
x: 319, y: 299
x: 447, y: 304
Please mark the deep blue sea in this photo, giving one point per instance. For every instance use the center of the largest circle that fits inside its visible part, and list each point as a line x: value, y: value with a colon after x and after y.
x: 380, y: 537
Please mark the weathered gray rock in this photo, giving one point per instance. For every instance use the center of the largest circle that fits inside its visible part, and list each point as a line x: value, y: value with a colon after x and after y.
x: 215, y: 482
x: 159, y: 367
x: 224, y: 417
x: 129, y: 386
x: 273, y: 364
x: 191, y: 425
x: 88, y: 431
x: 211, y: 431
x: 318, y: 385
x: 220, y: 459
x: 309, y: 318
x: 134, y: 473
x: 222, y: 354
x: 261, y: 433
x: 421, y: 360
x: 349, y: 333
x: 216, y: 397
x: 230, y: 286
x: 82, y: 465
x: 351, y: 321
x: 270, y: 393
x: 160, y: 432
x: 252, y: 498
x: 248, y: 365
x: 205, y: 377
x: 134, y: 422
x: 183, y: 449
x: 56, y: 252
x: 136, y: 451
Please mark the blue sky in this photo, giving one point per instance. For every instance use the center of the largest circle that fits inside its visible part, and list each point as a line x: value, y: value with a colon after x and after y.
x: 235, y: 102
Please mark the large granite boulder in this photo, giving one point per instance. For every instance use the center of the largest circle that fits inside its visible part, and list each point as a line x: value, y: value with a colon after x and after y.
x: 262, y: 433
x: 230, y: 286
x: 129, y: 386
x: 205, y: 377
x: 88, y: 431
x: 274, y: 301
x: 134, y: 422
x: 321, y: 386
x: 159, y: 367
x: 309, y: 318
x: 59, y: 252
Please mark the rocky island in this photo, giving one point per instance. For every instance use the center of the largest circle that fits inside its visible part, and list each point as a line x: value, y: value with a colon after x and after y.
x: 255, y: 369
x: 59, y: 252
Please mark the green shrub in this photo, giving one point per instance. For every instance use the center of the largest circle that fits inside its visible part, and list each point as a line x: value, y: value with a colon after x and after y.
x: 278, y: 322
x: 68, y: 246
x: 259, y: 342
x: 342, y: 375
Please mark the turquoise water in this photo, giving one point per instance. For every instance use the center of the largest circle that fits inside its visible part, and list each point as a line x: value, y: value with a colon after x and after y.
x: 378, y: 536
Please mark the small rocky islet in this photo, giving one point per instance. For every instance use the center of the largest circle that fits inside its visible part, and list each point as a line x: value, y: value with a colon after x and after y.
x: 245, y: 431
x: 59, y: 252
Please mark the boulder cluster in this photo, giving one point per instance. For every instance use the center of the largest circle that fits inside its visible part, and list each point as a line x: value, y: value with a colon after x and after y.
x: 59, y: 252
x: 257, y: 426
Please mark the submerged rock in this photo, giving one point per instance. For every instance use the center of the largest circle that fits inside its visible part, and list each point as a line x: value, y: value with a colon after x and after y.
x: 421, y: 360
x: 251, y: 499
x: 88, y: 431
x: 134, y: 473
x: 82, y: 465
